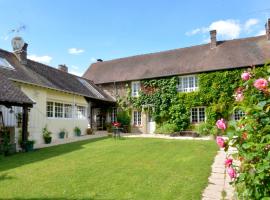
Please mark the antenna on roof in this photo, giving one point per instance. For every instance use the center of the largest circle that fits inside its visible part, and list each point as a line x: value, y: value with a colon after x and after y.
x: 99, y: 60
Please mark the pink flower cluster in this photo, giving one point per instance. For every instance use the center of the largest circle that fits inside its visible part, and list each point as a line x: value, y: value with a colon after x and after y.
x: 221, y: 142
x: 246, y: 76
x: 230, y: 170
x: 239, y: 96
x: 221, y: 124
x: 261, y: 84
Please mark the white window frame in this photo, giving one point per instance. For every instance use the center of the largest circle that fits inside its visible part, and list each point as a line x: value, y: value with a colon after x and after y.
x: 198, y: 114
x: 80, y: 112
x: 58, y: 110
x: 114, y: 115
x: 69, y: 111
x: 50, y: 112
x: 135, y: 88
x: 137, y: 118
x: 5, y: 64
x: 238, y: 114
x: 188, y: 83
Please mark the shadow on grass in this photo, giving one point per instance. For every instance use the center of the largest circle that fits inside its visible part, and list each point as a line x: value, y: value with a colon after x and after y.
x: 5, y: 176
x: 53, y: 198
x: 21, y: 159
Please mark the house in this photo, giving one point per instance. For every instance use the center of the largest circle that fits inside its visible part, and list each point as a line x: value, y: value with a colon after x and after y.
x: 186, y: 63
x: 38, y: 95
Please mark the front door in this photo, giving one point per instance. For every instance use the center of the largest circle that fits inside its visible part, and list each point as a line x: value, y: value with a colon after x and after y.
x: 151, y: 124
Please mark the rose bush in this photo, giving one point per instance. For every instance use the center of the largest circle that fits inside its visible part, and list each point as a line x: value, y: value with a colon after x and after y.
x: 251, y: 137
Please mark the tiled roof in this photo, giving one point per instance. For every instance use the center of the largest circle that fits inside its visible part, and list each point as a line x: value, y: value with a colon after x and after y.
x: 227, y: 55
x: 45, y: 76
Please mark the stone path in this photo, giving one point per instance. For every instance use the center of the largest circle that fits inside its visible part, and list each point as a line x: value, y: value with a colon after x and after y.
x: 218, y: 187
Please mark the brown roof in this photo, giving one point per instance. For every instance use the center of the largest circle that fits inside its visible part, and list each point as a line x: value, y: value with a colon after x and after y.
x: 227, y: 55
x: 45, y: 76
x: 10, y: 94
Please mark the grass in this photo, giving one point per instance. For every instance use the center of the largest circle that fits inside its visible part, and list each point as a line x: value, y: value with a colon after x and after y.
x: 107, y: 169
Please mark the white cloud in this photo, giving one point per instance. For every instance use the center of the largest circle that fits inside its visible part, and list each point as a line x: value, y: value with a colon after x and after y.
x: 249, y: 23
x: 76, y: 72
x: 227, y: 29
x: 75, y: 51
x: 261, y: 32
x: 5, y: 37
x: 42, y: 59
x: 93, y: 60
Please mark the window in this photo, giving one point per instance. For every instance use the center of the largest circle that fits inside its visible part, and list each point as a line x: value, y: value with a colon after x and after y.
x: 135, y: 88
x: 49, y: 109
x: 114, y: 115
x: 68, y: 111
x: 58, y: 110
x: 5, y: 64
x: 137, y: 118
x: 81, y: 112
x: 197, y: 114
x: 238, y: 114
x: 187, y: 83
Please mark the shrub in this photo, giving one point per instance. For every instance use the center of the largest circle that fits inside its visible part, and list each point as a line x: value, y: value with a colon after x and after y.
x: 89, y: 131
x: 124, y: 118
x: 109, y: 127
x: 166, y: 128
x: 203, y: 129
x: 250, y: 135
x: 77, y: 131
x: 46, y: 135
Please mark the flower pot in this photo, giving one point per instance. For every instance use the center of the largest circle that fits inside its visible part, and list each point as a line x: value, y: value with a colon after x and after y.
x: 29, y: 146
x: 78, y: 133
x: 62, y: 135
x: 48, y: 140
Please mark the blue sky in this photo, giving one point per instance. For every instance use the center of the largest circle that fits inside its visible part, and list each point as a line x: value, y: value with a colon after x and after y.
x: 76, y: 32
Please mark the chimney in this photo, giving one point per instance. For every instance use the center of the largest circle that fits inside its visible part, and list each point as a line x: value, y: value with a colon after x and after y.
x: 267, y: 29
x: 213, y: 36
x: 63, y: 68
x: 20, y: 49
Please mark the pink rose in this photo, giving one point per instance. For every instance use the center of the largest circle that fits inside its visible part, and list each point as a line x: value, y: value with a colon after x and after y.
x: 221, y: 142
x: 261, y: 84
x: 246, y: 76
x: 228, y: 162
x: 231, y: 171
x: 221, y: 124
x: 239, y: 97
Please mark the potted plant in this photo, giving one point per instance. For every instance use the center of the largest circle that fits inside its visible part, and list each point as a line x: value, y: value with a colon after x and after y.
x: 46, y: 135
x: 62, y: 134
x: 77, y: 131
x: 29, y: 146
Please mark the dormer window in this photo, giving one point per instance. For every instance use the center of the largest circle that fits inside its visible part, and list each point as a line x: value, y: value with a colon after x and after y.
x: 187, y: 83
x: 5, y: 64
x: 135, y: 88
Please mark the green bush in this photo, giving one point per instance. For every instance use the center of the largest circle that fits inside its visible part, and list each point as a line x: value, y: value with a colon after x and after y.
x: 203, y: 129
x: 166, y: 128
x: 123, y: 118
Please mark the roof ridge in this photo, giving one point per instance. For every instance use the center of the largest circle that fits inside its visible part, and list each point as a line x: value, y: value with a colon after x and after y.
x: 170, y: 50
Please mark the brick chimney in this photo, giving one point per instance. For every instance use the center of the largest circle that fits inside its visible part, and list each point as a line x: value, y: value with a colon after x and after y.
x: 63, y: 68
x: 20, y: 49
x: 213, y: 36
x: 267, y: 29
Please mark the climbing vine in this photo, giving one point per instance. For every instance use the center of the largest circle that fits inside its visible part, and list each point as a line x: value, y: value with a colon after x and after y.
x: 161, y: 98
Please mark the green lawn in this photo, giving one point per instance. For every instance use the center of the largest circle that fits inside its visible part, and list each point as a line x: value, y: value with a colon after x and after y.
x: 107, y: 169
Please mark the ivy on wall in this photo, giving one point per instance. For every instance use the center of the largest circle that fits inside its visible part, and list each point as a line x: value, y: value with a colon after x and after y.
x: 160, y: 97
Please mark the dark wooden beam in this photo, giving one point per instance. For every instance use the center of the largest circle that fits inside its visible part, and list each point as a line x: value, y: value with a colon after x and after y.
x: 24, y: 126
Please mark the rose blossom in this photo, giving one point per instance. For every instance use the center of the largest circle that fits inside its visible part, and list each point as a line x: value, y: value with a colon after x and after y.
x: 228, y: 162
x: 239, y: 97
x: 246, y: 76
x: 221, y: 142
x: 221, y: 124
x: 244, y: 135
x: 231, y: 171
x: 261, y: 84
